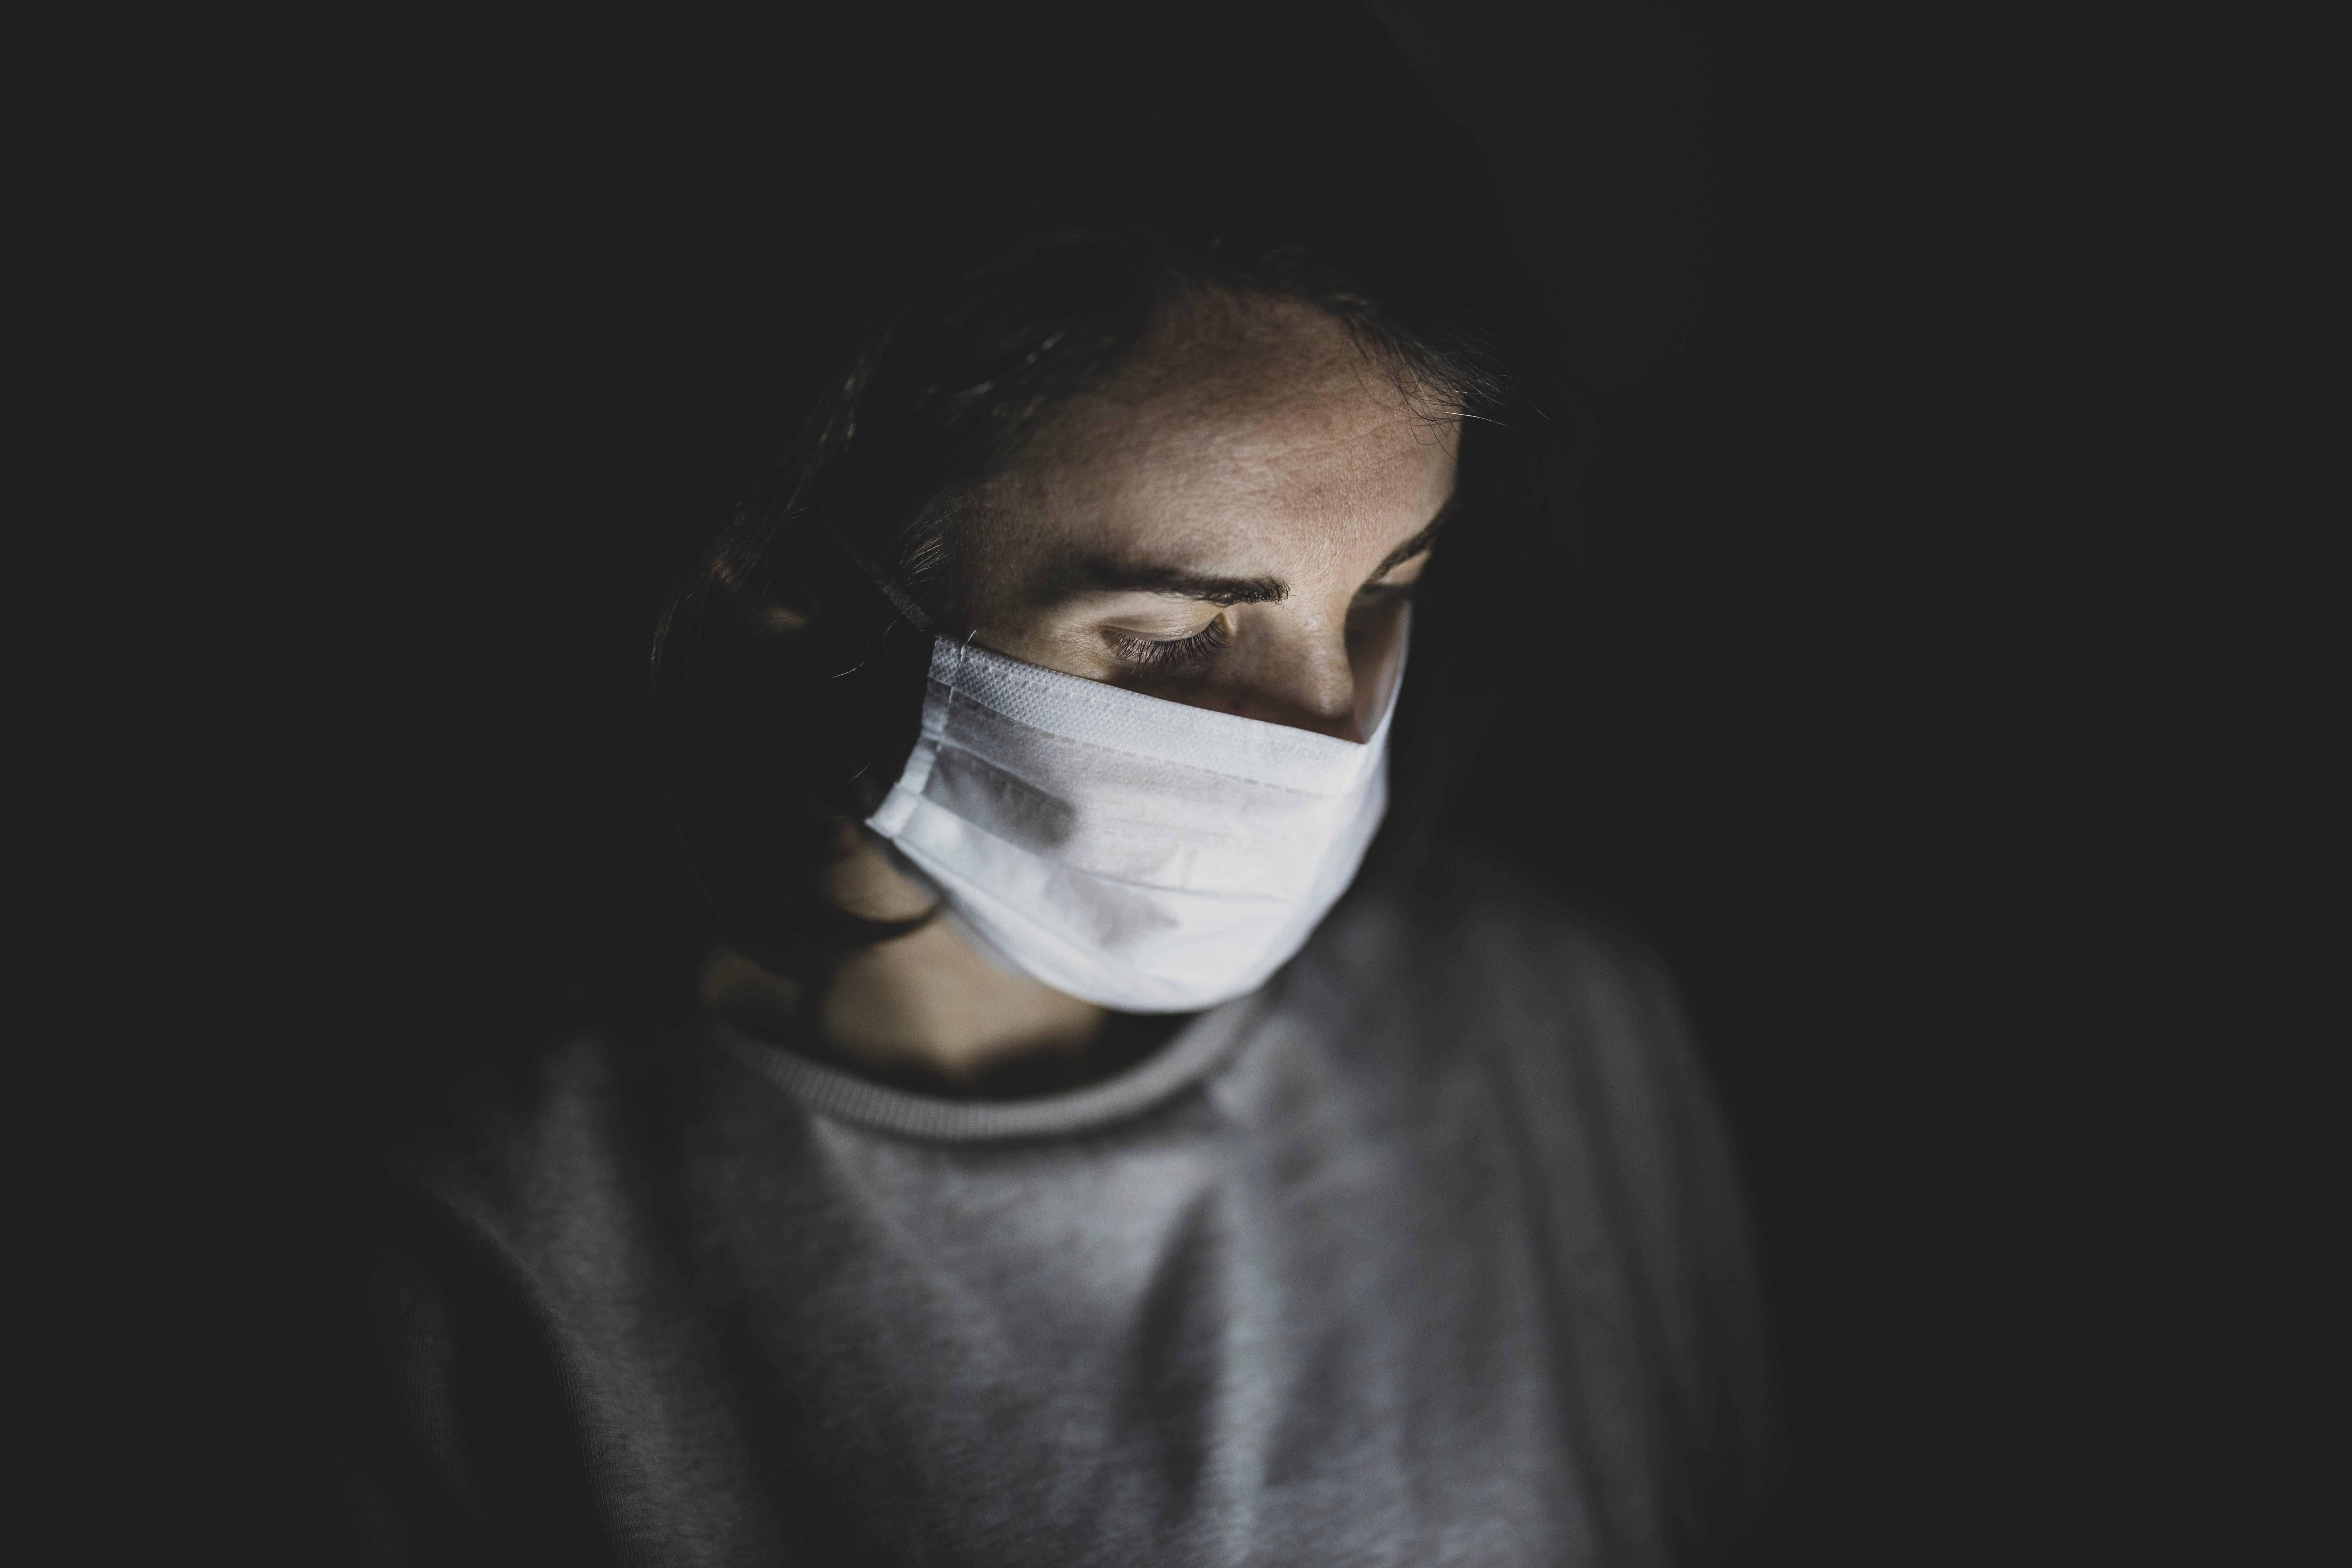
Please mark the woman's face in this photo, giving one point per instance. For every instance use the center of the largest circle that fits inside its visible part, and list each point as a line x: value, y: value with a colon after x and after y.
x: 1232, y: 523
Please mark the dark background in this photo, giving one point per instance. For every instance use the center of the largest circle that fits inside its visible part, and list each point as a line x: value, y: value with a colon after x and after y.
x: 1949, y: 686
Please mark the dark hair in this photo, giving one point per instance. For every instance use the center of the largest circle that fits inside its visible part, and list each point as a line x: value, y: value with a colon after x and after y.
x: 1309, y: 167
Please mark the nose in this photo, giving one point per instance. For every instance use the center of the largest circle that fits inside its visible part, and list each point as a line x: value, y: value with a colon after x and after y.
x: 1330, y: 677
x: 1313, y: 691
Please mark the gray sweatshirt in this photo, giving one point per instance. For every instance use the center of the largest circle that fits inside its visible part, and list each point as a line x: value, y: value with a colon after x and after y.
x: 1427, y: 1253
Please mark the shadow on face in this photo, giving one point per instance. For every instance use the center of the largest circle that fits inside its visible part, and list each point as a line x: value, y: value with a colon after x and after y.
x: 1235, y: 521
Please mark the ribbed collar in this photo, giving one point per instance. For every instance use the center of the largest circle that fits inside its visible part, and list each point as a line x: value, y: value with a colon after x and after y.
x: 1201, y: 1047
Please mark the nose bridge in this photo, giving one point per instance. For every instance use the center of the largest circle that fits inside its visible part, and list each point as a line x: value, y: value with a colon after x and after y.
x: 1305, y: 677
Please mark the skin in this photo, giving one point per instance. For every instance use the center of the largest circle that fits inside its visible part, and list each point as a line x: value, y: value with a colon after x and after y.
x: 1231, y: 523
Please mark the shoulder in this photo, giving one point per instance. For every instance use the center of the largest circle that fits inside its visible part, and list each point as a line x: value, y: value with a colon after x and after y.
x: 1456, y: 960
x: 1599, y: 1087
x: 546, y: 1101
x: 524, y: 1147
x: 479, y: 1257
x: 1464, y: 963
x: 1464, y: 928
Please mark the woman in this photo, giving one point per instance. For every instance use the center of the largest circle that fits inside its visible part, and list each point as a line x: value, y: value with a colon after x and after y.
x: 1063, y: 1144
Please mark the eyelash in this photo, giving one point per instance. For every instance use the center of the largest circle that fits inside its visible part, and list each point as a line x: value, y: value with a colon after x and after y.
x: 1175, y: 653
x: 1185, y: 653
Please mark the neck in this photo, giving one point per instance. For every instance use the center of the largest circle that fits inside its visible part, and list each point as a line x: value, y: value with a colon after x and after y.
x: 926, y: 1007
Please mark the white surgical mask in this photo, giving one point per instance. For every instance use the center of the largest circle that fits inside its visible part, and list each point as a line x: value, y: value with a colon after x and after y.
x: 1140, y: 854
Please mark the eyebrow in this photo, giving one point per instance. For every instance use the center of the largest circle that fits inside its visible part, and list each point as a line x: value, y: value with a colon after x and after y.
x: 1085, y: 573
x: 1106, y: 576
x: 1418, y: 543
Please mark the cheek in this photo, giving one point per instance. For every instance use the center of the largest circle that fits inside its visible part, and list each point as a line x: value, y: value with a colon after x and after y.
x: 1045, y: 641
x: 1084, y: 646
x: 1376, y: 648
x: 1374, y: 631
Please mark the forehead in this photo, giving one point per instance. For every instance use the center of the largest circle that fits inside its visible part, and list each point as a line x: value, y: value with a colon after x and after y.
x: 1237, y: 420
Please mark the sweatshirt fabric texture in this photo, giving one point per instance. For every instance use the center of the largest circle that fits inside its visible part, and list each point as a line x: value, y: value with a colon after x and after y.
x: 1429, y: 1252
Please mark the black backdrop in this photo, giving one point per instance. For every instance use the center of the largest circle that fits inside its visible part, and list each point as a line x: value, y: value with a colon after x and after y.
x: 1948, y: 691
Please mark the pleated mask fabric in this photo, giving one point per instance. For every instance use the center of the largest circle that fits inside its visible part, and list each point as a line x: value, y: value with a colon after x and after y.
x: 1142, y: 855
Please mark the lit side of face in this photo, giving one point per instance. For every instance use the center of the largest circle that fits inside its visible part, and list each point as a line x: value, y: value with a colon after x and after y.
x: 1232, y: 523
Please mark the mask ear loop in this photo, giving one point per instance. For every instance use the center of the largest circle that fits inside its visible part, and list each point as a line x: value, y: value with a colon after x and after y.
x: 888, y: 585
x: 922, y: 621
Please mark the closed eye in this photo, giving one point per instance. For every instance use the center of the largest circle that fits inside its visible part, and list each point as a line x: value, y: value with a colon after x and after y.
x: 1380, y: 590
x: 1173, y: 654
